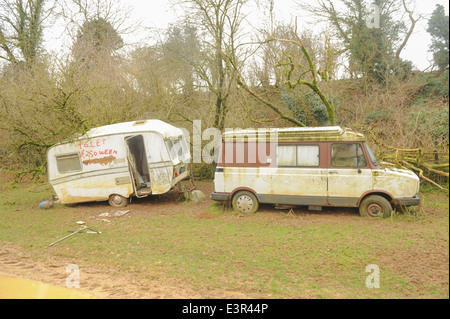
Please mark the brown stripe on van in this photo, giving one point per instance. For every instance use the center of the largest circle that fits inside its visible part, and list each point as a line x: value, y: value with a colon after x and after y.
x: 103, y: 160
x: 245, y: 154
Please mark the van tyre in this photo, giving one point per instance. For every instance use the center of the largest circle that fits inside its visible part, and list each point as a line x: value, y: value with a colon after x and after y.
x: 375, y: 206
x: 116, y: 200
x: 245, y: 202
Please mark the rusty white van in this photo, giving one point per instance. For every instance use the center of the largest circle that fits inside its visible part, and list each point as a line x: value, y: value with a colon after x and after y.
x: 314, y: 167
x: 115, y: 162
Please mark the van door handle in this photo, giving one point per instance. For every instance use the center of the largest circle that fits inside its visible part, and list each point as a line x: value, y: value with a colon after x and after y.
x: 333, y: 172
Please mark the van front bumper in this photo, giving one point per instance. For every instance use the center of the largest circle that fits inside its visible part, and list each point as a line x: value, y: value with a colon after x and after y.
x: 220, y: 196
x: 413, y: 201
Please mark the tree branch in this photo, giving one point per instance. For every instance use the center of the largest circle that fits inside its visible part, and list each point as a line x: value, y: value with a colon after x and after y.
x: 410, y: 31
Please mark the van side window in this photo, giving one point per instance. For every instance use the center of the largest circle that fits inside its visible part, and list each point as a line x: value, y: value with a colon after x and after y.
x: 307, y: 155
x: 68, y: 163
x: 298, y: 155
x: 286, y: 155
x: 347, y: 155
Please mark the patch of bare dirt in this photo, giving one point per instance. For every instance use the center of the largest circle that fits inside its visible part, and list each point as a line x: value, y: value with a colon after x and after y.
x: 101, y: 281
x: 424, y: 267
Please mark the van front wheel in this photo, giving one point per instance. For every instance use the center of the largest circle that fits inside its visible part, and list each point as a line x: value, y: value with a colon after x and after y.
x: 245, y: 202
x: 375, y: 206
x: 116, y: 200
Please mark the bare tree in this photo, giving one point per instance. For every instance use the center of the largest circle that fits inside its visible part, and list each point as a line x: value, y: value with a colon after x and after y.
x: 21, y: 28
x: 373, y: 49
x: 220, y: 23
x: 301, y: 70
x: 74, y: 14
x: 410, y: 30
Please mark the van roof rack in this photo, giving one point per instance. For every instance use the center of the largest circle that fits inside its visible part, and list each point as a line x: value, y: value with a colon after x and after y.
x: 293, y: 134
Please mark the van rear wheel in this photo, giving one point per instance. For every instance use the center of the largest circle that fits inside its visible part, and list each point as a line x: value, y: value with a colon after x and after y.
x: 245, y: 202
x: 116, y: 200
x: 375, y: 206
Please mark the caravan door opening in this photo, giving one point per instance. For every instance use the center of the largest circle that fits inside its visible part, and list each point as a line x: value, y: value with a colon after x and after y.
x: 137, y: 162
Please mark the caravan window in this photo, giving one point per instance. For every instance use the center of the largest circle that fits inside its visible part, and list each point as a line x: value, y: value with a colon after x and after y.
x: 171, y: 147
x: 68, y: 163
x: 177, y: 147
x: 184, y: 144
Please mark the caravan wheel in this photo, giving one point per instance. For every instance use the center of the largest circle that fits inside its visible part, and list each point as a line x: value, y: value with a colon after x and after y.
x: 116, y: 200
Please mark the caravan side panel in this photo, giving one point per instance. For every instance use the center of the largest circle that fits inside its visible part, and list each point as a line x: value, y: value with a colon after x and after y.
x: 89, y: 170
x: 95, y: 188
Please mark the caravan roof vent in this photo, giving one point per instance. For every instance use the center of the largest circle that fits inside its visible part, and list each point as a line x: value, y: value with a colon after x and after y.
x: 142, y: 122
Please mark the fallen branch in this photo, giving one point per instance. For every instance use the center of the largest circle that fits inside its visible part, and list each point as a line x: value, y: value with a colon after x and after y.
x: 423, y: 177
x: 416, y: 159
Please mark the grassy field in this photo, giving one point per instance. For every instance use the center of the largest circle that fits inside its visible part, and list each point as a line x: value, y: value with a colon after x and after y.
x: 271, y: 254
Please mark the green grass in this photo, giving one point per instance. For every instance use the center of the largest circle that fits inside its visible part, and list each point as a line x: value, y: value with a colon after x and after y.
x: 264, y: 255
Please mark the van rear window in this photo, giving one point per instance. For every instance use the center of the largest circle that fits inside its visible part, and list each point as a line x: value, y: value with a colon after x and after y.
x: 298, y: 155
x: 68, y: 163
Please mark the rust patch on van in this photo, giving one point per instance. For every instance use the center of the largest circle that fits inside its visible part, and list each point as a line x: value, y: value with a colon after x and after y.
x: 103, y: 161
x: 66, y: 198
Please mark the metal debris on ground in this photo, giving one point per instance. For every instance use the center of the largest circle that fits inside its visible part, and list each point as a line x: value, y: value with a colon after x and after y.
x: 115, y: 214
x: 83, y: 228
x: 190, y: 194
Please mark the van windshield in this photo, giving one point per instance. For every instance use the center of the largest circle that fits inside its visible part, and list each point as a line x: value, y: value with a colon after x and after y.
x: 373, y: 159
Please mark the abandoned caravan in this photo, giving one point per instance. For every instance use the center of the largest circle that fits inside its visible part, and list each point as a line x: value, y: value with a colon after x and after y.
x: 118, y: 161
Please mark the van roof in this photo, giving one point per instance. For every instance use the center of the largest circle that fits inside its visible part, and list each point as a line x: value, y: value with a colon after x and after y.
x: 294, y: 134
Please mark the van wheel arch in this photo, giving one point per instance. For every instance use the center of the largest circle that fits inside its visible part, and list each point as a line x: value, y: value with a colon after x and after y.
x: 237, y: 190
x: 385, y: 195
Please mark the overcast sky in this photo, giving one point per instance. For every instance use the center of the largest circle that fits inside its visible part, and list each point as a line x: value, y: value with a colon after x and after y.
x: 158, y: 14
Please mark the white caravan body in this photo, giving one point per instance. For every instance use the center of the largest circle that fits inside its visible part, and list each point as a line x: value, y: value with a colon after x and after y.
x: 118, y: 161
